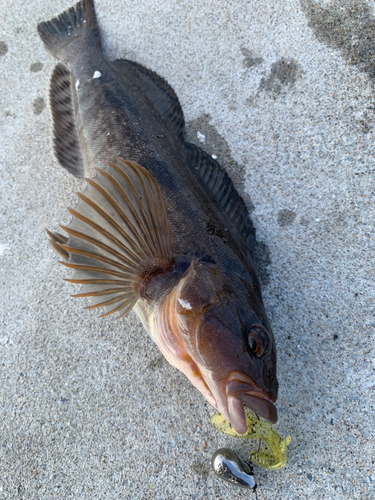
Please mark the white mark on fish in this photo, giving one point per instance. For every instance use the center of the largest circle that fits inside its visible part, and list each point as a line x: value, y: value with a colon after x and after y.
x: 97, y: 74
x: 77, y: 84
x: 185, y: 304
x: 201, y: 137
x: 2, y: 249
x: 214, y: 157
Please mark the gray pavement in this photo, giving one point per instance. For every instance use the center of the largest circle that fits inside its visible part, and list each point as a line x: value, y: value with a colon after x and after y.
x: 284, y: 93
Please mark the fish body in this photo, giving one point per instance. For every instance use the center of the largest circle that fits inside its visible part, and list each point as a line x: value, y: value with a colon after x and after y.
x: 163, y: 232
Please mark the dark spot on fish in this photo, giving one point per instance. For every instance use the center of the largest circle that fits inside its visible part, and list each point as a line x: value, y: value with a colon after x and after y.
x: 250, y: 60
x: 216, y: 145
x: 283, y: 75
x: 212, y: 230
x: 35, y: 67
x: 38, y: 105
x: 347, y: 26
x: 262, y: 262
x: 285, y: 217
x: 3, y: 48
x: 309, y: 476
x: 335, y: 337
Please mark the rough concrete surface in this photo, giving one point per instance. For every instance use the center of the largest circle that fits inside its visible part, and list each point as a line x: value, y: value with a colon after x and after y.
x: 284, y: 93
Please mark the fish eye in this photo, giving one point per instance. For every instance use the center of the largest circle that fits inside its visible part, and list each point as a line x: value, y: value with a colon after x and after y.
x: 258, y: 340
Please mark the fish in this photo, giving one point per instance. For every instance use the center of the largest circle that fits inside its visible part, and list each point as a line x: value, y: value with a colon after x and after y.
x: 160, y: 228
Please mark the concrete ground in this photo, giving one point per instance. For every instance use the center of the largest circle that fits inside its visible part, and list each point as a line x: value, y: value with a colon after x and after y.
x: 284, y: 93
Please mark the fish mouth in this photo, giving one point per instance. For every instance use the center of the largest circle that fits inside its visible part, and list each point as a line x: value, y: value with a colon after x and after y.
x: 241, y: 389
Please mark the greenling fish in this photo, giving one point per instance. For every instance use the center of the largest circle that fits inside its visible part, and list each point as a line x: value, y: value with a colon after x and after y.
x: 160, y: 228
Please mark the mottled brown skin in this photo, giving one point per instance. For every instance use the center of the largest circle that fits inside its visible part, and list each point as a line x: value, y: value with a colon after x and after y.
x: 214, y: 273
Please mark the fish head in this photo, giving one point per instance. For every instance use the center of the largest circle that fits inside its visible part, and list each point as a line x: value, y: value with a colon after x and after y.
x: 228, y: 336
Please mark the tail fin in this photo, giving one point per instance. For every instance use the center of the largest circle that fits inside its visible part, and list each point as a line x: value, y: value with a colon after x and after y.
x: 64, y: 35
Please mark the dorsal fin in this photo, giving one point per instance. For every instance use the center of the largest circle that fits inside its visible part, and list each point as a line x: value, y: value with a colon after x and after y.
x: 65, y: 134
x: 222, y: 190
x: 158, y: 92
x: 120, y: 237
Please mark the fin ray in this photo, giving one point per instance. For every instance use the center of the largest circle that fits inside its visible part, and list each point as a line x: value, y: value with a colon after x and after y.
x: 55, y: 240
x: 95, y: 256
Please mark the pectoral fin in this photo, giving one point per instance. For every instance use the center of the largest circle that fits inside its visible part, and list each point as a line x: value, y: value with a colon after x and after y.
x: 120, y: 237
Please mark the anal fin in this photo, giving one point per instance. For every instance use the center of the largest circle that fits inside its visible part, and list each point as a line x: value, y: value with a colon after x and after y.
x: 65, y: 133
x: 120, y: 237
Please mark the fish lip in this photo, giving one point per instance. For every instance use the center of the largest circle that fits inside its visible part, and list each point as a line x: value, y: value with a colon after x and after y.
x: 240, y: 383
x: 244, y: 389
x: 254, y: 391
x: 261, y: 406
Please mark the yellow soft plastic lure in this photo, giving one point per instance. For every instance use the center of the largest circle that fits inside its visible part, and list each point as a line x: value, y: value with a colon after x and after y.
x: 273, y: 459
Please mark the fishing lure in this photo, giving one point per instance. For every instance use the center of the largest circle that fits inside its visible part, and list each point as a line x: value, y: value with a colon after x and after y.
x: 231, y: 469
x: 274, y: 457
